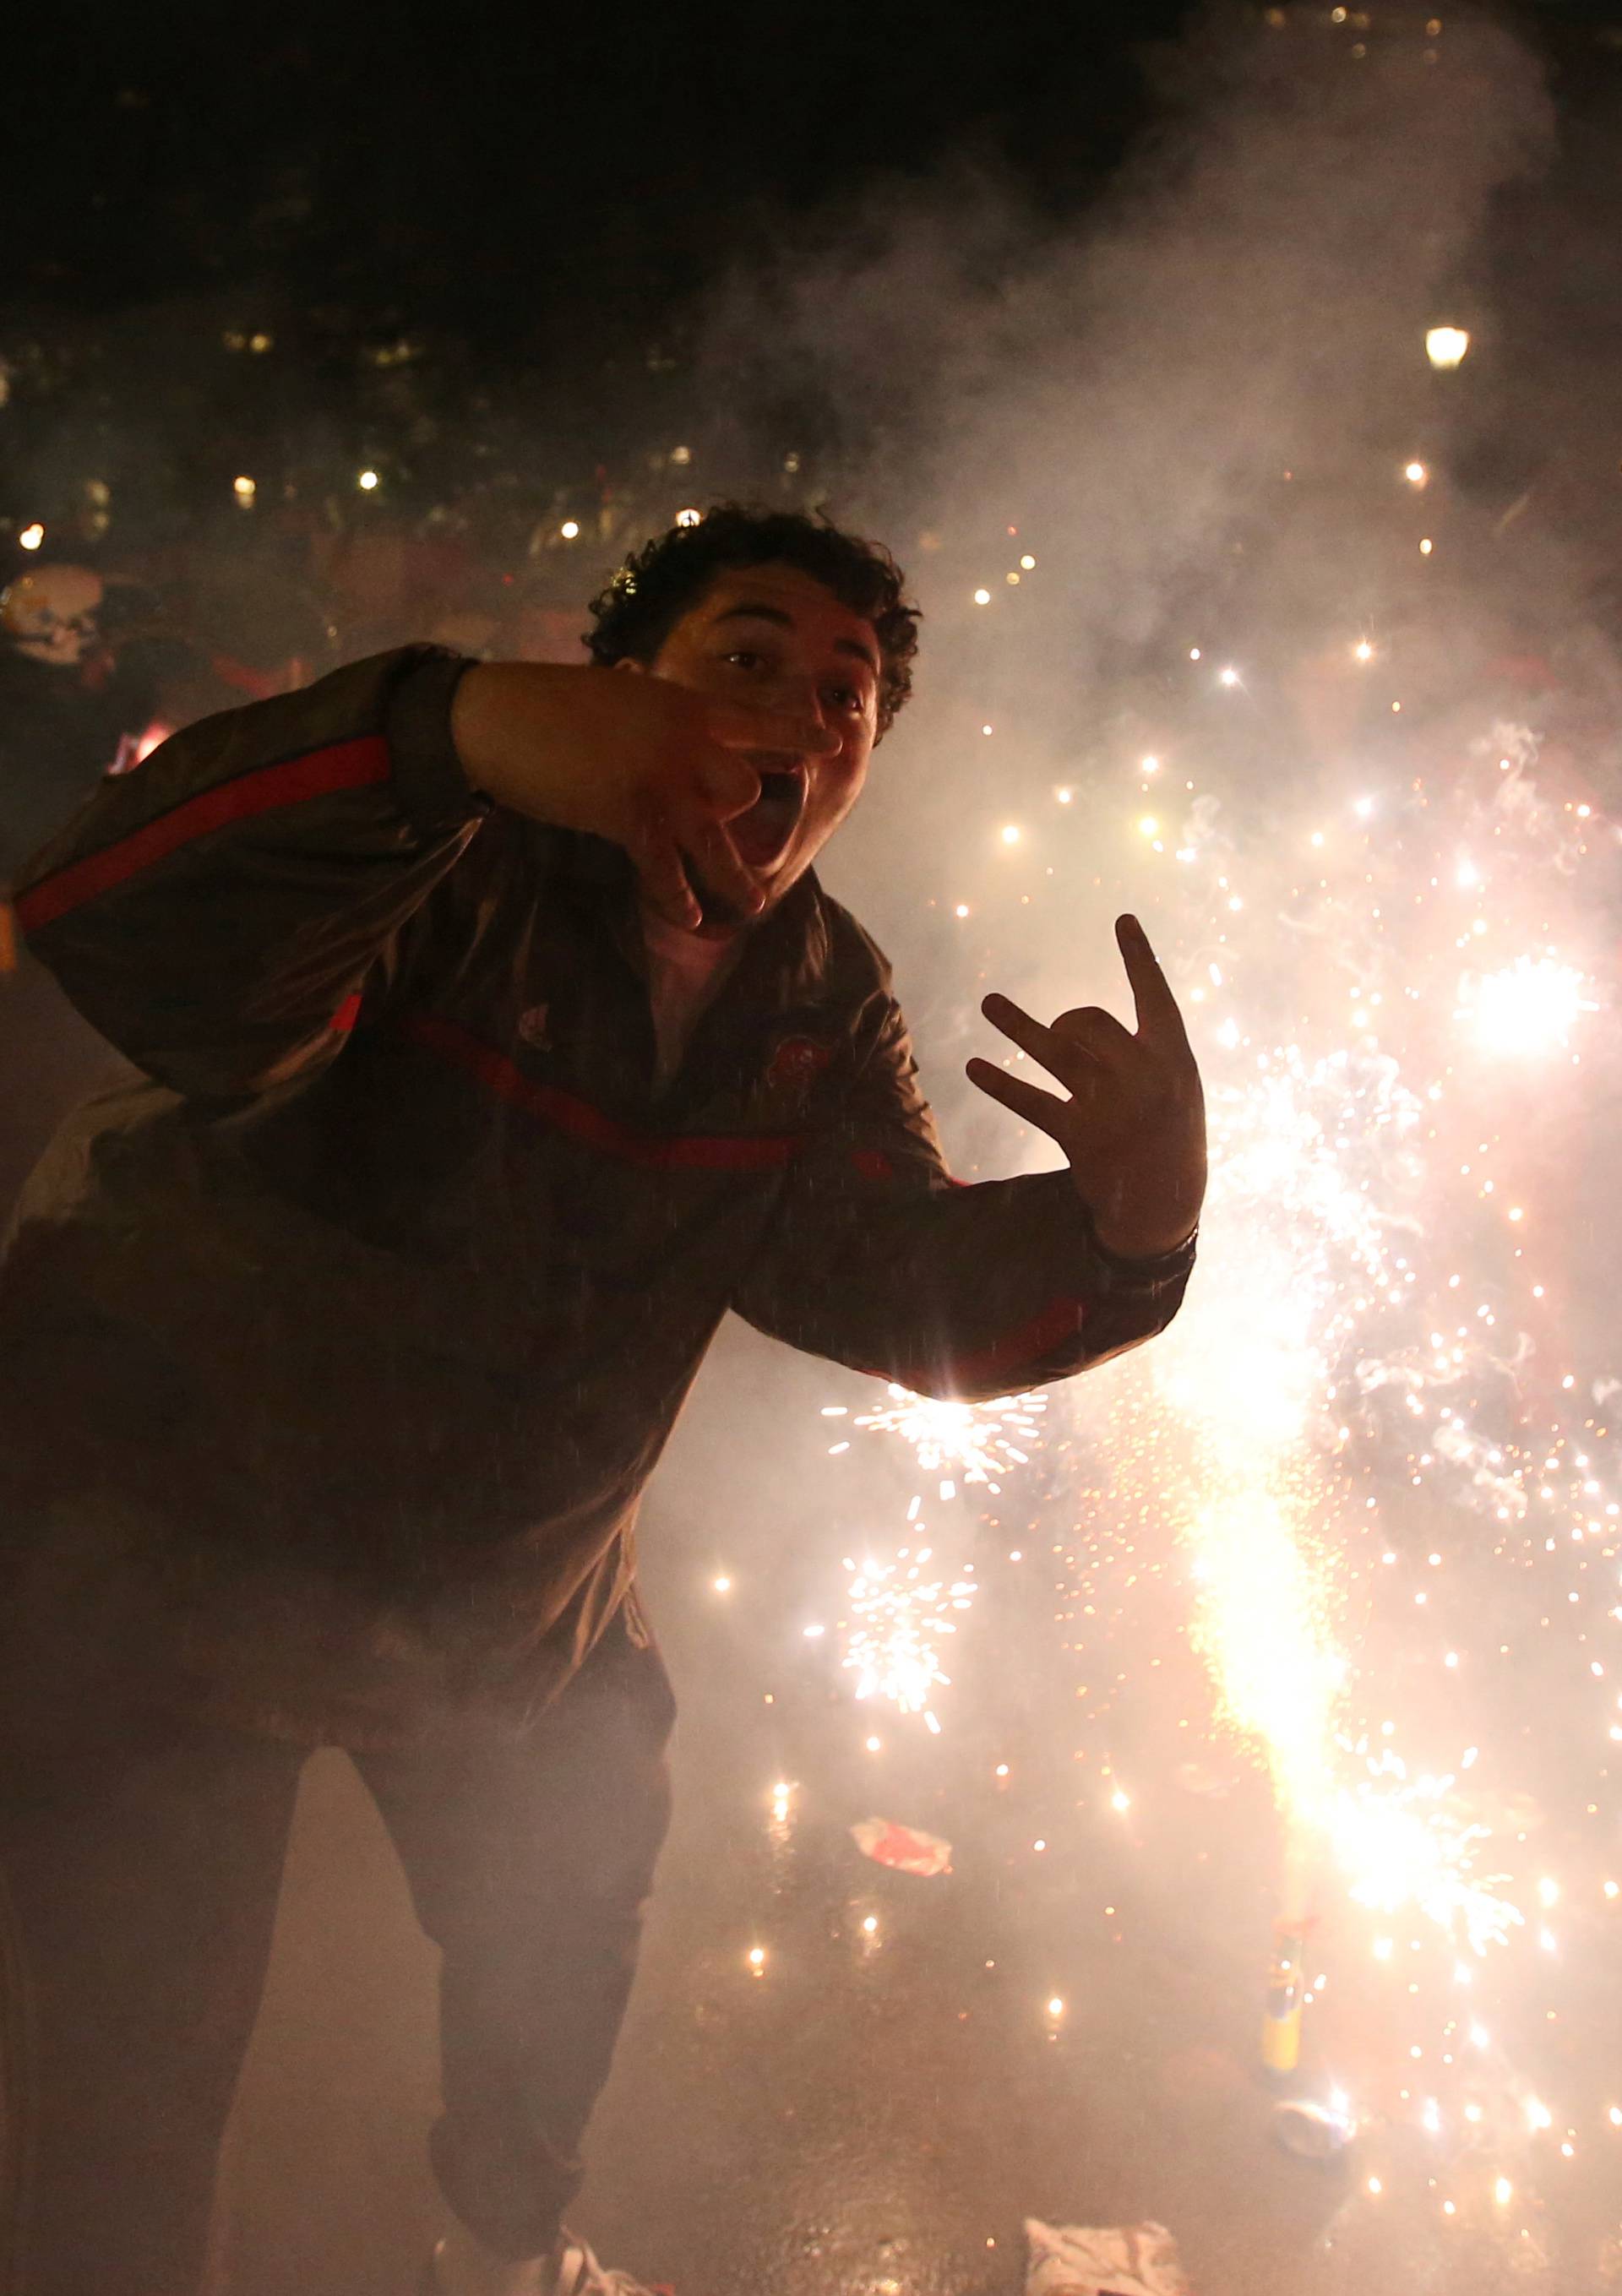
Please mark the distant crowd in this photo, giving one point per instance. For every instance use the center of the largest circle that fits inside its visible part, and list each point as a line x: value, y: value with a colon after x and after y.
x: 101, y: 655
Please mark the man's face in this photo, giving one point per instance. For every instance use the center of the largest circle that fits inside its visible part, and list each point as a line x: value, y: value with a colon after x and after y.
x: 773, y: 635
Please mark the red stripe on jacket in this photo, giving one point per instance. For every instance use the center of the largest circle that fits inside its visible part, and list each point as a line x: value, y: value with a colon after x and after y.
x: 1015, y: 1352
x: 359, y: 764
x: 566, y: 1113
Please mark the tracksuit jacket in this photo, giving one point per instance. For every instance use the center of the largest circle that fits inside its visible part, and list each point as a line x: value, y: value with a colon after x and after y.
x: 357, y: 1326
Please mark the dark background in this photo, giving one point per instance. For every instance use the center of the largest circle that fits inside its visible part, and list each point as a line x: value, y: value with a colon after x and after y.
x: 478, y: 243
x: 474, y: 250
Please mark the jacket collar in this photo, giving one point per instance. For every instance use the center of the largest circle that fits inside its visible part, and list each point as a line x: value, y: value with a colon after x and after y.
x: 789, y: 949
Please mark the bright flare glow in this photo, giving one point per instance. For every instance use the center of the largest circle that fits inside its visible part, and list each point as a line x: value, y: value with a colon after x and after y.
x: 1405, y: 1846
x: 32, y: 536
x: 1415, y: 474
x: 1527, y: 1009
x: 244, y: 489
x: 367, y: 481
x: 1298, y: 1247
x: 569, y: 529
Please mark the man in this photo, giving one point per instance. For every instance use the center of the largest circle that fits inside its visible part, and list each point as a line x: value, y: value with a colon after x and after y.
x: 500, y: 1041
x: 66, y: 703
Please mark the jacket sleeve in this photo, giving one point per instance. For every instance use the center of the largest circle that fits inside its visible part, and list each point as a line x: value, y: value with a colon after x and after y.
x: 880, y: 1260
x: 214, y: 912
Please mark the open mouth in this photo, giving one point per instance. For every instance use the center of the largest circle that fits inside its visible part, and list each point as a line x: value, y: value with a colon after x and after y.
x: 762, y: 834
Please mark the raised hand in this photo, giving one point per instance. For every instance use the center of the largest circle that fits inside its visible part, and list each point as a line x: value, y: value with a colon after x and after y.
x: 1134, y: 1125
x: 656, y: 767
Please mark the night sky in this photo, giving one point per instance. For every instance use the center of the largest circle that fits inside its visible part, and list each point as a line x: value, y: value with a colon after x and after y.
x: 541, y: 207
x: 518, y: 176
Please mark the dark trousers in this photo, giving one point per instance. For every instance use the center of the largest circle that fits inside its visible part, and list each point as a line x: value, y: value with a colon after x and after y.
x: 139, y: 1872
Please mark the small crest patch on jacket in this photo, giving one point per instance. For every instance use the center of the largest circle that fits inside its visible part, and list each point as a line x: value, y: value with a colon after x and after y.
x: 795, y: 1067
x: 534, y: 1030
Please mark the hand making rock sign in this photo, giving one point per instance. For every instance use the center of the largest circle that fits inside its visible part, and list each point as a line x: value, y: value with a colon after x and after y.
x: 1134, y: 1124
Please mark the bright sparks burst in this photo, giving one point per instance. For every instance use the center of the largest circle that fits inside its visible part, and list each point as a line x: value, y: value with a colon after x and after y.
x: 901, y: 1613
x: 1364, y: 1402
x: 1322, y: 1330
x: 1309, y: 1255
x: 1400, y: 1843
x: 969, y: 1443
x: 1526, y: 1010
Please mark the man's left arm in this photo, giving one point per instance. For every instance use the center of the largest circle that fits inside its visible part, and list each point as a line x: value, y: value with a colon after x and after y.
x: 879, y: 1259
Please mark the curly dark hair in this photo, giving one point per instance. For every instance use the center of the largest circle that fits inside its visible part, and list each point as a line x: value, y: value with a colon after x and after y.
x: 659, y: 583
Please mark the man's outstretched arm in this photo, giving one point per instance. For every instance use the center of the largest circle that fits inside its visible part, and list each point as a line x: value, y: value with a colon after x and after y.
x: 211, y: 912
x: 879, y: 1259
x: 214, y: 912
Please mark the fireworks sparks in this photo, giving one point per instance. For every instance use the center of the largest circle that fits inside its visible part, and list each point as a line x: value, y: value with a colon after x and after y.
x: 1322, y: 1163
x: 1358, y: 1418
x: 967, y: 1443
x: 900, y: 1614
x: 899, y: 1617
x: 1260, y: 1630
x: 1526, y: 1010
x: 1403, y: 1846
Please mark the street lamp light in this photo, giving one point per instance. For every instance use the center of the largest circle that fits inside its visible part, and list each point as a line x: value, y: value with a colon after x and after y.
x: 1444, y: 346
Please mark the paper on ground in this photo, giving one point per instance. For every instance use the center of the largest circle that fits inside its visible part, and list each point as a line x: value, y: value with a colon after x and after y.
x: 1091, y: 2261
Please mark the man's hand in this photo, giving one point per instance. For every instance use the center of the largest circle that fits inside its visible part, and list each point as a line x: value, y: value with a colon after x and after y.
x: 1133, y: 1126
x: 656, y: 767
